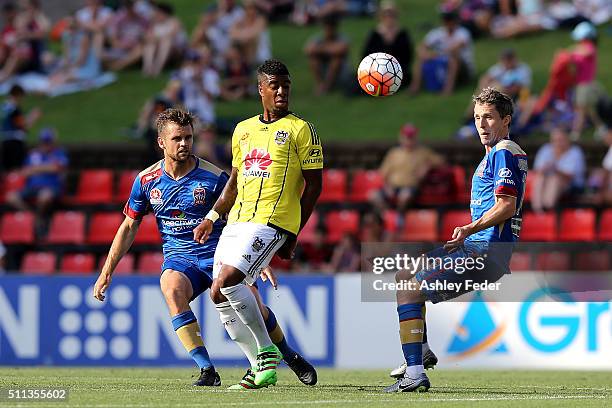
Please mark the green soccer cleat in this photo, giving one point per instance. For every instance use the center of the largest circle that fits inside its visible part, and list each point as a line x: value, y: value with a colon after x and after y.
x: 268, y: 359
x: 247, y: 382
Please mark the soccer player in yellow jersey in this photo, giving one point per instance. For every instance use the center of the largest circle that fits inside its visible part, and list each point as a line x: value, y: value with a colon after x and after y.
x: 275, y: 182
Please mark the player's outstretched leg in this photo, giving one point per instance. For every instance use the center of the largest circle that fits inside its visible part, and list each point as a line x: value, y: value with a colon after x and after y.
x: 245, y: 304
x: 177, y: 289
x: 188, y: 331
x: 429, y: 358
x: 304, y: 371
x: 243, y: 337
x: 411, y: 336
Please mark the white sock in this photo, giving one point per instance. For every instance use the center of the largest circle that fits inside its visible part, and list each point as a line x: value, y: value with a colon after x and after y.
x: 425, y: 347
x: 238, y: 332
x: 414, y: 371
x: 244, y: 303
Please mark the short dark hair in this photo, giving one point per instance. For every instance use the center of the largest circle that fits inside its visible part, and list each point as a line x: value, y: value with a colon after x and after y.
x: 272, y: 67
x: 491, y: 96
x: 174, y: 115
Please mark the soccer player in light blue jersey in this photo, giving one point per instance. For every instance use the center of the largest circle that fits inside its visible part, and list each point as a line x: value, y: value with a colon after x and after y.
x: 180, y: 190
x: 498, y: 188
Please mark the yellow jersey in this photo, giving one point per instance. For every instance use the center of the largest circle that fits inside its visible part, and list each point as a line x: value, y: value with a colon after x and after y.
x: 270, y: 157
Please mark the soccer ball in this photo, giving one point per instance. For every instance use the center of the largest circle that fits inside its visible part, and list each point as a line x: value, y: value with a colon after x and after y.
x: 379, y: 74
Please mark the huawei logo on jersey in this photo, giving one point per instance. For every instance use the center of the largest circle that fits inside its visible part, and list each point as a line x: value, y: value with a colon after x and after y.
x: 256, y: 163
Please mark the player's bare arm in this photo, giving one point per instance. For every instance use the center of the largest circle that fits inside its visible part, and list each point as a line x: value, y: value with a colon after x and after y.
x: 504, y: 208
x: 222, y: 206
x: 121, y: 244
x: 313, y: 180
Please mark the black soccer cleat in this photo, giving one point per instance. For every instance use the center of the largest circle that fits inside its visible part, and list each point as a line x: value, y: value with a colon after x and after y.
x: 304, y: 371
x: 208, y: 378
x: 407, y: 384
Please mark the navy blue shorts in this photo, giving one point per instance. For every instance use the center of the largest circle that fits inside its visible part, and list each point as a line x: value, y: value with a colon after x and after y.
x: 198, y: 271
x: 449, y: 275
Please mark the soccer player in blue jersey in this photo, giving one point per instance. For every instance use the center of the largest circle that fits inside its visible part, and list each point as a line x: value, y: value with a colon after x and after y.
x: 180, y: 190
x: 498, y: 187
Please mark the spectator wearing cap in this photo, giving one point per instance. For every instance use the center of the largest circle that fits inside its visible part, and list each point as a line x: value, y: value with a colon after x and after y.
x: 560, y: 171
x: 13, y: 128
x: 390, y: 37
x: 588, y: 91
x: 328, y: 55
x: 44, y: 171
x: 403, y: 169
x: 446, y: 49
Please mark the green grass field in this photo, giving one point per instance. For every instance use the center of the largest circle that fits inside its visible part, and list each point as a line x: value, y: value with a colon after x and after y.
x: 101, y: 115
x: 134, y: 388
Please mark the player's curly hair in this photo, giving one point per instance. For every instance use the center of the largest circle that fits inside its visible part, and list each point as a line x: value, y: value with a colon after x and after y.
x: 174, y: 115
x: 271, y: 67
x: 491, y: 96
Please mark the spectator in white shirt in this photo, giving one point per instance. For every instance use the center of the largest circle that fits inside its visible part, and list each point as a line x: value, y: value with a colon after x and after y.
x: 451, y: 44
x: 560, y: 170
x: 94, y: 19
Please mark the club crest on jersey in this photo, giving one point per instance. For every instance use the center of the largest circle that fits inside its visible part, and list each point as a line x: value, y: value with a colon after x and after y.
x: 256, y: 164
x: 155, y: 197
x: 199, y: 196
x: 281, y: 137
x: 257, y: 244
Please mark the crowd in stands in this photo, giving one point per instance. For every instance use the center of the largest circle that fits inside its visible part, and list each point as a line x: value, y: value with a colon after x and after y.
x: 216, y: 60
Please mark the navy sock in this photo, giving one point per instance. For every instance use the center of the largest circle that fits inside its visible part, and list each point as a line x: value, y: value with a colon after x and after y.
x: 278, y: 338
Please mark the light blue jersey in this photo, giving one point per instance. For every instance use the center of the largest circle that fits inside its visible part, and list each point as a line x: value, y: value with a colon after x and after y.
x: 503, y: 171
x: 179, y: 206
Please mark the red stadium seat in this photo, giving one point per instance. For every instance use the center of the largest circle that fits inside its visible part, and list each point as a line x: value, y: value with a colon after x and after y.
x: 150, y: 263
x: 593, y: 261
x: 78, y: 263
x: 95, y: 187
x: 577, y: 225
x: 13, y: 181
x: 35, y: 263
x: 420, y: 225
x: 126, y: 180
x: 364, y: 183
x: 17, y: 228
x: 451, y: 220
x: 148, y: 233
x: 339, y: 223
x: 308, y: 232
x: 520, y: 261
x: 103, y: 226
x: 334, y: 186
x: 124, y: 267
x: 390, y: 221
x: 461, y: 188
x: 553, y: 261
x: 67, y: 227
x: 605, y: 225
x: 539, y: 226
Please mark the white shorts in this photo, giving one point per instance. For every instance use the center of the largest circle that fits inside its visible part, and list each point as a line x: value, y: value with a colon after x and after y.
x: 248, y: 247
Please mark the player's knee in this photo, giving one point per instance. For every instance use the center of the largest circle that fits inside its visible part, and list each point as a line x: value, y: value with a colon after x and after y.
x: 215, y: 293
